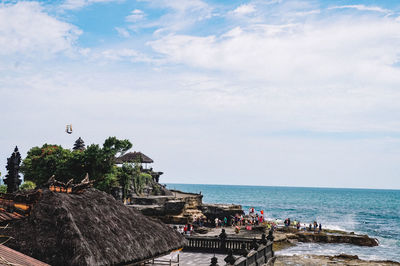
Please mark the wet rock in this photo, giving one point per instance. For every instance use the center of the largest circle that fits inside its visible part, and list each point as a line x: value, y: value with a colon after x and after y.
x: 316, y: 260
x: 359, y: 240
x: 221, y: 211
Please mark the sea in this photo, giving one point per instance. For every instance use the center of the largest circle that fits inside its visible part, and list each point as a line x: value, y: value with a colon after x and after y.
x: 374, y: 212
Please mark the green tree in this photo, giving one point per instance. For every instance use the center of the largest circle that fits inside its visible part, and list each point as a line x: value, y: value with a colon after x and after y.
x: 3, y: 189
x: 27, y: 185
x: 99, y: 162
x: 41, y: 163
x: 140, y: 180
x: 125, y: 176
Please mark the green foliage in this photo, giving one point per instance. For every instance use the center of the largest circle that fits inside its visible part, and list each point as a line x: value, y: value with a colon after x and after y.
x: 41, y: 163
x: 109, y: 181
x: 156, y: 189
x: 3, y: 189
x: 100, y: 161
x: 125, y: 175
x: 140, y: 180
x: 27, y: 185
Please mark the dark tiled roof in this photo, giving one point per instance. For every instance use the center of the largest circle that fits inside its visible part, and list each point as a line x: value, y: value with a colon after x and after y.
x: 8, y: 216
x: 9, y: 256
x: 133, y: 157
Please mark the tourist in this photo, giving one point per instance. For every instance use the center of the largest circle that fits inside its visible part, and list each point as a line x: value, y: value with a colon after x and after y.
x: 225, y: 221
x: 216, y: 222
x: 191, y: 229
x: 320, y: 227
x: 310, y: 227
x: 298, y: 225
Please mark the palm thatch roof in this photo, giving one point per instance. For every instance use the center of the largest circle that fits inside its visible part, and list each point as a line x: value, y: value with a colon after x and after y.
x: 90, y: 228
x: 133, y: 157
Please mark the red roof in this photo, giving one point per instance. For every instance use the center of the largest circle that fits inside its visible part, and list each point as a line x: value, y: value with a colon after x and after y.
x: 8, y: 216
x: 9, y: 256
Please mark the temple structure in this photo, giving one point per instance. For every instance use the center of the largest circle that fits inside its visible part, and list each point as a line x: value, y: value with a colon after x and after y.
x: 138, y: 157
x: 12, y: 179
x: 79, y: 145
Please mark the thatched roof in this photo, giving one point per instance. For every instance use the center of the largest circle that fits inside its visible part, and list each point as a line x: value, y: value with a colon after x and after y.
x: 133, y: 157
x: 90, y: 228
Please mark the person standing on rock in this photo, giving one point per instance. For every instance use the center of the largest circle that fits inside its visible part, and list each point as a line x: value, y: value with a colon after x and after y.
x: 320, y: 227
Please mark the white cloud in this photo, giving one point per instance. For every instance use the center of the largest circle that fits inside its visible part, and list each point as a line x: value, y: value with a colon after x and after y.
x: 26, y: 28
x: 135, y: 16
x: 329, y: 75
x: 123, y: 54
x: 122, y: 32
x: 307, y: 13
x: 273, y: 51
x: 244, y: 9
x: 77, y: 4
x: 182, y: 14
x: 363, y: 8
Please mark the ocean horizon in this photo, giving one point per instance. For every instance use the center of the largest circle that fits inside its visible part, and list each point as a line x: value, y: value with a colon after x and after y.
x: 283, y: 186
x: 375, y: 212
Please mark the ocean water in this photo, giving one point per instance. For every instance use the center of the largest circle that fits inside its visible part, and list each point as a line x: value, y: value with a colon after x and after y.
x: 365, y: 211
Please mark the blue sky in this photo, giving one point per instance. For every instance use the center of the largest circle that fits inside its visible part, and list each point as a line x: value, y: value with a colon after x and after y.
x: 274, y: 92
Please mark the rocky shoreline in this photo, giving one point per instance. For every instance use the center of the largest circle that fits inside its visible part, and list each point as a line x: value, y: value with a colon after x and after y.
x: 289, y: 236
x: 317, y: 260
x: 285, y: 237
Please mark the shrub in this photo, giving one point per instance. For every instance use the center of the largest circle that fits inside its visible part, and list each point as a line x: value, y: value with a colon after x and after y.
x: 28, y: 185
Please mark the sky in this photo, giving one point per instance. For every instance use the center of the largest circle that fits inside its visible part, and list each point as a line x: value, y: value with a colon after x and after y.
x: 274, y: 92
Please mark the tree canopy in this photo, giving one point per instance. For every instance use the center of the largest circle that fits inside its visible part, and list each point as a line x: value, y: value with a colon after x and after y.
x: 43, y: 162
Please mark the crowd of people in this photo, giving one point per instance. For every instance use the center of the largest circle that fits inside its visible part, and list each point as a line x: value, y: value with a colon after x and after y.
x: 252, y: 219
x: 311, y: 227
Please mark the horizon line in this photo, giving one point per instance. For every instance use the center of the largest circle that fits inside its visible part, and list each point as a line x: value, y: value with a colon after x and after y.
x: 287, y: 186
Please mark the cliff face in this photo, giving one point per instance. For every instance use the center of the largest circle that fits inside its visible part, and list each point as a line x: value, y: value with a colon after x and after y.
x: 221, y: 211
x: 183, y: 208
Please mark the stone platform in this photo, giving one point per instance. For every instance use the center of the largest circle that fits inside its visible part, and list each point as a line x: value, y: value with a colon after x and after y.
x: 189, y: 258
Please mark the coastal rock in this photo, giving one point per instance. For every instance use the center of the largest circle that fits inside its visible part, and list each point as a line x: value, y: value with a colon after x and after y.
x: 327, y: 236
x: 221, y: 211
x: 359, y: 240
x: 317, y: 260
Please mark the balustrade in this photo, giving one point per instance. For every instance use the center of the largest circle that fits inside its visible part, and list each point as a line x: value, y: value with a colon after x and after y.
x: 260, y: 256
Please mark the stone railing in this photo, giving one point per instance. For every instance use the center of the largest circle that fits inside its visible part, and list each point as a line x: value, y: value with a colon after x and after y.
x: 261, y: 256
x: 253, y: 252
x: 217, y: 245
